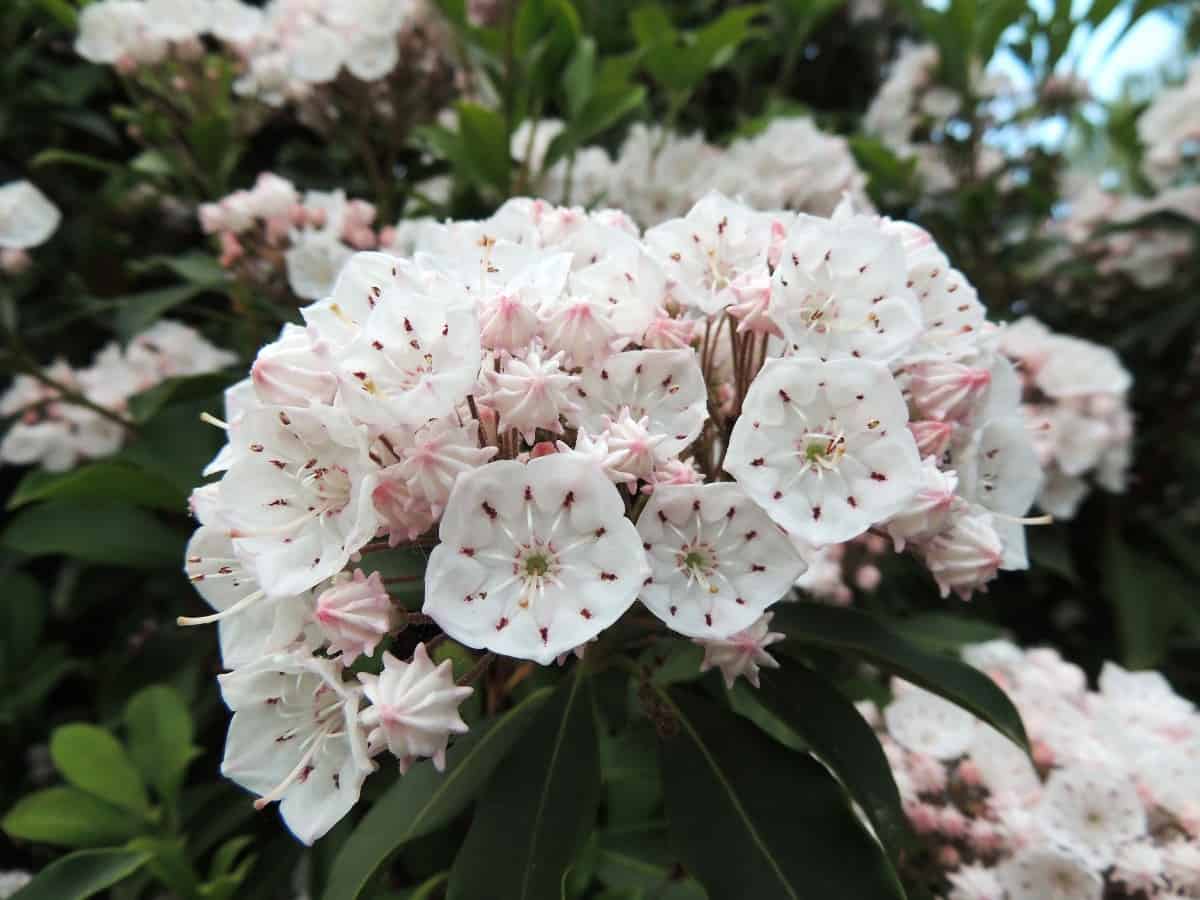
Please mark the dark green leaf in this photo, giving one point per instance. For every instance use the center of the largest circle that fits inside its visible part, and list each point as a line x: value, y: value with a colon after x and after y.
x: 55, y: 156
x: 946, y: 633
x: 1147, y: 598
x: 94, y: 761
x: 159, y: 727
x: 425, y: 800
x: 139, y: 311
x: 538, y: 806
x: 107, y: 480
x: 485, y: 143
x: 109, y: 535
x: 841, y: 738
x: 197, y: 267
x: 578, y: 78
x: 145, y: 405
x: 169, y: 864
x: 68, y: 817
x: 83, y: 874
x: 858, y: 634
x: 22, y: 617
x: 751, y: 818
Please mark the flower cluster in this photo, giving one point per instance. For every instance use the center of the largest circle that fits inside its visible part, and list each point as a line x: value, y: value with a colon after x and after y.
x: 272, y: 227
x: 577, y: 416
x: 27, y: 219
x: 53, y: 429
x: 912, y: 115
x: 658, y: 175
x: 1169, y: 129
x: 1109, y: 805
x: 130, y: 33
x: 1075, y: 401
x: 301, y: 45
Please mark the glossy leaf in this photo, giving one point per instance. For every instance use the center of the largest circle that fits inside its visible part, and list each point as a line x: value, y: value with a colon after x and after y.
x: 485, y: 144
x: 858, y: 634
x: 425, y: 800
x: 110, y: 480
x: 538, y: 806
x: 68, y: 817
x: 94, y: 761
x: 83, y: 874
x: 841, y: 738
x: 733, y: 794
x: 109, y: 535
x: 22, y: 617
x: 160, y: 732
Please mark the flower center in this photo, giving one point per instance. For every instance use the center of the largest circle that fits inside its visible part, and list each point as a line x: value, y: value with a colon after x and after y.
x: 536, y: 565
x: 698, y: 562
x: 822, y: 451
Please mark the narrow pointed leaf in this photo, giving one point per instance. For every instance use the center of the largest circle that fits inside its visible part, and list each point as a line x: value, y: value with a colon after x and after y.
x: 537, y: 808
x: 425, y: 800
x: 751, y: 818
x: 858, y: 634
x: 841, y: 738
x: 83, y: 874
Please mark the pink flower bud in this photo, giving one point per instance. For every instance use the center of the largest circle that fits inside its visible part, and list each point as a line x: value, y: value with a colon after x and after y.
x: 948, y: 857
x: 1043, y: 755
x: 354, y: 615
x: 923, y: 816
x: 867, y: 577
x: 932, y: 437
x: 14, y: 261
x: 231, y: 249
x: 542, y: 448
x: 969, y: 774
x: 952, y: 823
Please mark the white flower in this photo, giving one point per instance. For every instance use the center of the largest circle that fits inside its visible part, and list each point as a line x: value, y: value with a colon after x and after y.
x: 316, y: 54
x: 27, y: 217
x: 1182, y: 859
x: 1049, y: 873
x: 930, y: 509
x: 295, y: 738
x: 354, y: 614
x: 291, y: 372
x: 300, y: 499
x: 974, y: 883
x: 923, y: 722
x: 178, y: 20
x: 313, y: 262
x: 12, y: 881
x: 111, y: 29
x: 416, y: 358
x: 1004, y: 767
x: 234, y: 21
x: 664, y: 387
x: 823, y: 447
x: 1139, y: 866
x: 533, y: 392
x: 1092, y: 812
x: 1076, y: 367
x: 966, y: 555
x: 373, y: 54
x: 432, y: 458
x: 581, y: 328
x: 705, y: 252
x: 716, y: 561
x: 170, y: 349
x: 946, y: 390
x: 251, y: 625
x: 413, y: 708
x: 840, y: 290
x: 743, y: 653
x: 534, y: 559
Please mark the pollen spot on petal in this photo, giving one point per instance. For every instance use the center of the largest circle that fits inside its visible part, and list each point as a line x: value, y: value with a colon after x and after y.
x: 545, y: 633
x: 489, y: 510
x: 502, y: 624
x: 757, y: 567
x: 586, y: 613
x: 878, y: 476
x: 816, y: 513
x: 608, y: 576
x: 853, y: 503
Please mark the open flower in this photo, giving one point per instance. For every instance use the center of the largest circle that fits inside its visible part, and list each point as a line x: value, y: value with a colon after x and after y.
x: 823, y: 447
x: 534, y: 559
x: 413, y: 708
x: 716, y: 560
x: 743, y: 653
x: 295, y: 738
x: 27, y: 217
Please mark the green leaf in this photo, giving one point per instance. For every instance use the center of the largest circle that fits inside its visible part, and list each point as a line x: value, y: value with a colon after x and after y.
x: 485, y: 143
x: 945, y: 632
x: 197, y: 267
x: 858, y: 634
x: 62, y: 11
x: 1148, y: 599
x: 169, y: 864
x: 83, y: 874
x: 94, y: 761
x: 425, y: 800
x: 733, y: 794
x: 110, y: 480
x: 841, y: 738
x: 68, y: 817
x: 997, y: 16
x: 108, y: 535
x: 139, y: 311
x: 159, y: 728
x: 22, y: 617
x: 57, y: 156
x: 578, y: 78
x: 537, y: 808
x: 145, y: 405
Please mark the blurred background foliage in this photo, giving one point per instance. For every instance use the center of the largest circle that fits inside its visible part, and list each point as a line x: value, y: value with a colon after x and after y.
x: 92, y: 559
